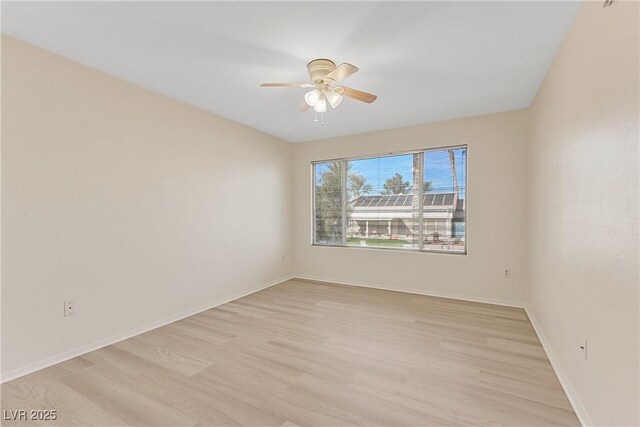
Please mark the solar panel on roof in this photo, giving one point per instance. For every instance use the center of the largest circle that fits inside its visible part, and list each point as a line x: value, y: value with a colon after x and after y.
x: 372, y: 202
x: 403, y: 200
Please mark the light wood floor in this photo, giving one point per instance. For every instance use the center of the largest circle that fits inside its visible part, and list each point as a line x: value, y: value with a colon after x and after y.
x: 310, y: 354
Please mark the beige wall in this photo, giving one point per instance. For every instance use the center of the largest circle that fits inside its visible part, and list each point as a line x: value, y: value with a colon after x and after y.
x: 495, y: 217
x: 584, y: 212
x: 137, y: 206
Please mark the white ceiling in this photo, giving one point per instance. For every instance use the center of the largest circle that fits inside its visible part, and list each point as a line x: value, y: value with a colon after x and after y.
x: 426, y: 61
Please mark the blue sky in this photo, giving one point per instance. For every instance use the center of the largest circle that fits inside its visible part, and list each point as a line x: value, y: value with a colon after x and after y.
x: 437, y: 170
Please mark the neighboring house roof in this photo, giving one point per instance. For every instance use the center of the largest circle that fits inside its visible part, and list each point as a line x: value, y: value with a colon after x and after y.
x: 431, y: 200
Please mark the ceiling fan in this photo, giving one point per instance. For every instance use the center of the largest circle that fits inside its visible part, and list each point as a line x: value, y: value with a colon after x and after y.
x: 324, y: 75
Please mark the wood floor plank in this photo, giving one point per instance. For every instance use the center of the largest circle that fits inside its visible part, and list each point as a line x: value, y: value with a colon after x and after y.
x: 305, y: 353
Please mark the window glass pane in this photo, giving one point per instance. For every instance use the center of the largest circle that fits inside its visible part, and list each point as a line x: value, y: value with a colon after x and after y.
x: 379, y: 202
x: 445, y: 199
x: 328, y: 203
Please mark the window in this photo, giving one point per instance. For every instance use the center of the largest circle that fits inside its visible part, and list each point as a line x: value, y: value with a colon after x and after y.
x: 380, y: 197
x: 328, y: 203
x: 414, y: 201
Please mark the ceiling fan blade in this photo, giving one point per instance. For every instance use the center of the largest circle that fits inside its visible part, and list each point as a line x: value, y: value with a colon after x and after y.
x: 304, y: 107
x: 358, y: 94
x: 287, y: 85
x: 341, y: 72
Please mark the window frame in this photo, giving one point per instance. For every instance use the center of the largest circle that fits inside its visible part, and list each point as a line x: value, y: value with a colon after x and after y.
x: 343, y: 167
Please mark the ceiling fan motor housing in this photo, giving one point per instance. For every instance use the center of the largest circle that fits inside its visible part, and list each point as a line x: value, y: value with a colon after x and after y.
x: 319, y: 68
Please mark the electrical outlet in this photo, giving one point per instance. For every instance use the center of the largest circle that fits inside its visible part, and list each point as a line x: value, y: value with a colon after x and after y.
x: 583, y: 347
x: 69, y: 308
x: 507, y: 273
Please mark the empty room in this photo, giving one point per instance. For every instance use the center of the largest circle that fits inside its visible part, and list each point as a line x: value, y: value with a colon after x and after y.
x: 320, y: 213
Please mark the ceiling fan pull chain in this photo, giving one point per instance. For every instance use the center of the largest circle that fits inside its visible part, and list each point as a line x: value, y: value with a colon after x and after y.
x: 322, y: 117
x: 315, y: 116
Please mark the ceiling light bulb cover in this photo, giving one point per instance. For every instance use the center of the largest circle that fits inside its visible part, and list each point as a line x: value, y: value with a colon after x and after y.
x: 334, y: 98
x: 321, y: 105
x: 312, y: 97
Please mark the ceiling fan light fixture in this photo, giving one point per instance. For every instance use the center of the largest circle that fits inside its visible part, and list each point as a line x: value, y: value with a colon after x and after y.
x: 321, y: 105
x: 324, y: 75
x: 312, y: 97
x: 334, y: 98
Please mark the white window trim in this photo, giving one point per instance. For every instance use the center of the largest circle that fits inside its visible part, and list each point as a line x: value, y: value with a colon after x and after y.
x: 343, y: 167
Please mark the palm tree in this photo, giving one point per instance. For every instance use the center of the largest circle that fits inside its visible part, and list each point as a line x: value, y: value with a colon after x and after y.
x: 396, y: 185
x: 427, y: 186
x: 454, y: 175
x: 357, y: 185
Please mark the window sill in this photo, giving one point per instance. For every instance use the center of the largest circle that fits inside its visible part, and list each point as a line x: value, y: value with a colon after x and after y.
x: 367, y: 248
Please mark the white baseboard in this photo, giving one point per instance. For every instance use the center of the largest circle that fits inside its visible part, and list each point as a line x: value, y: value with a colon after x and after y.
x: 413, y: 291
x: 576, y: 403
x: 79, y: 351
